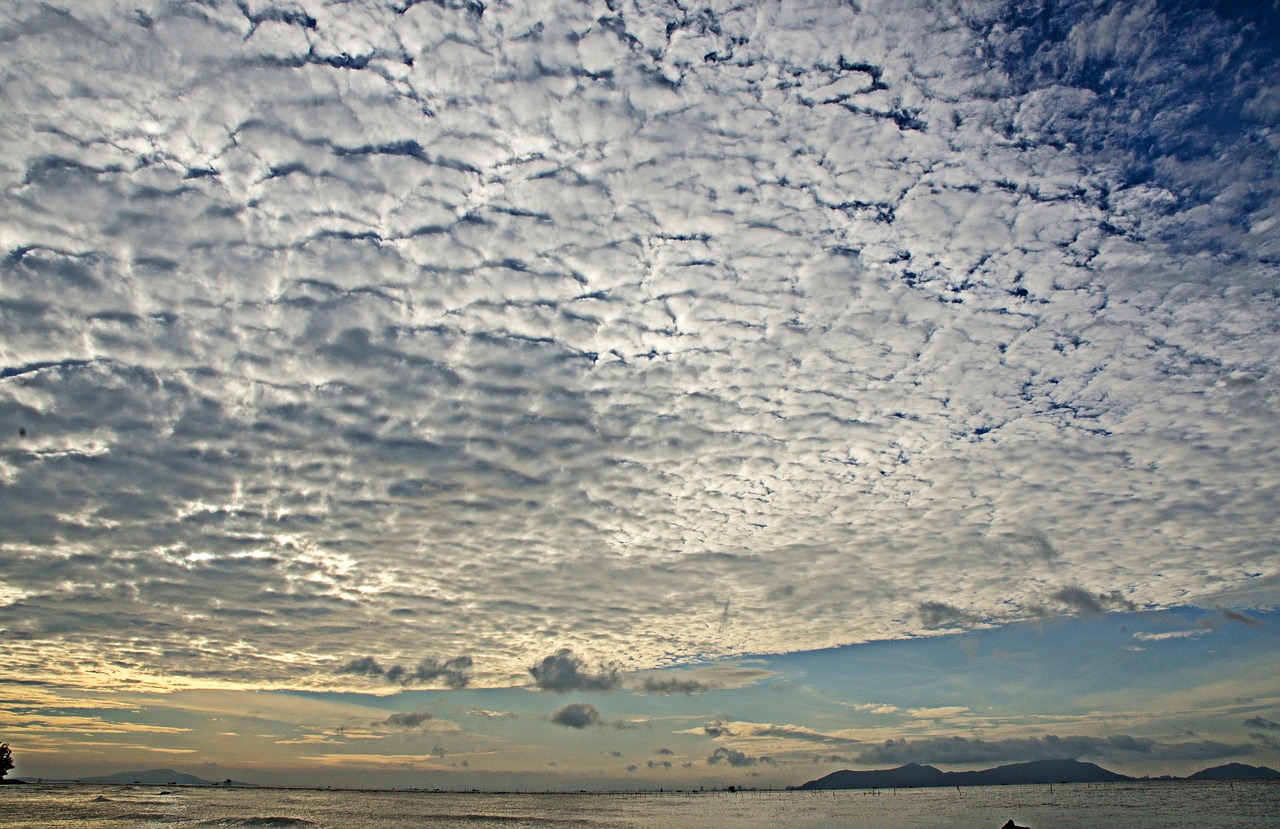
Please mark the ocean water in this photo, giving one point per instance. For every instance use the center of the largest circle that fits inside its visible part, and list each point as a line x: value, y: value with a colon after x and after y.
x: 1096, y: 806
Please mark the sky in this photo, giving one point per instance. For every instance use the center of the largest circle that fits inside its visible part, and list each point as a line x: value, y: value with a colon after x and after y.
x: 636, y: 394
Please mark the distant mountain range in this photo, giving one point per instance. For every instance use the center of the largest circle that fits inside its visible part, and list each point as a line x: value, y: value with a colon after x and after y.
x: 914, y: 775
x: 1236, y: 771
x: 159, y: 777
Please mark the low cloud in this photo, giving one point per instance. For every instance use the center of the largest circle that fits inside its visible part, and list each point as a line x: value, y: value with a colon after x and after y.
x: 406, y: 719
x: 737, y: 759
x: 874, y: 707
x: 792, y: 732
x: 1233, y: 616
x: 577, y: 715
x: 483, y: 712
x: 1092, y: 604
x: 699, y: 680
x: 1260, y: 722
x: 655, y: 685
x: 941, y: 712
x: 952, y: 750
x: 564, y: 671
x: 454, y: 673
x: 1167, y: 635
x: 1265, y: 739
x: 719, y: 728
x: 666, y: 752
x: 659, y: 764
x: 942, y: 615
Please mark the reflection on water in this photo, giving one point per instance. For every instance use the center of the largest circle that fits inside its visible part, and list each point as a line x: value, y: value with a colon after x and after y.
x: 1164, y: 805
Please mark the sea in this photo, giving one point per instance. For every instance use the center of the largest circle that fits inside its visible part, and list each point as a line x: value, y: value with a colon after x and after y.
x: 1139, y: 805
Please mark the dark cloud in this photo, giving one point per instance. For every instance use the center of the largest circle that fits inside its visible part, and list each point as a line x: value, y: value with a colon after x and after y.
x: 664, y: 751
x: 659, y: 764
x: 563, y: 672
x: 1260, y: 722
x: 736, y: 758
x: 658, y: 685
x: 363, y: 666
x: 406, y: 719
x: 1233, y: 616
x: 942, y: 615
x: 950, y: 750
x: 1091, y: 604
x: 719, y: 728
x: 577, y: 715
x: 1268, y: 740
x: 455, y: 673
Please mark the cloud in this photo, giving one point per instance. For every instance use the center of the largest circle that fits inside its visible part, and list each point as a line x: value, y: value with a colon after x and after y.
x: 698, y: 680
x: 1233, y: 616
x: 952, y: 750
x: 577, y: 715
x: 736, y: 758
x: 363, y: 666
x: 406, y: 719
x: 659, y: 764
x: 563, y: 672
x: 718, y: 728
x: 1166, y: 635
x: 1260, y: 722
x: 664, y: 751
x: 656, y: 685
x: 873, y: 707
x: 483, y: 712
x: 940, y: 712
x: 942, y: 615
x: 1091, y: 604
x: 808, y: 735
x: 455, y: 673
x: 347, y: 324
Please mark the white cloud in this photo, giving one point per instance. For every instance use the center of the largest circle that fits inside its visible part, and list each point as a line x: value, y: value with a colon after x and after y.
x: 620, y: 330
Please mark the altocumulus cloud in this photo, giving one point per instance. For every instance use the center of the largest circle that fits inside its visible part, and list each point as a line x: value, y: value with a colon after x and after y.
x: 353, y: 322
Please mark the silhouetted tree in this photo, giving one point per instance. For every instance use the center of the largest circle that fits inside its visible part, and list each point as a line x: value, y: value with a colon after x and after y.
x: 6, y: 759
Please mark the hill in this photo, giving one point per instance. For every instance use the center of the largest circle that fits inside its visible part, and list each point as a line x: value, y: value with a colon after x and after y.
x: 158, y: 777
x: 903, y: 777
x: 1236, y: 771
x: 913, y: 775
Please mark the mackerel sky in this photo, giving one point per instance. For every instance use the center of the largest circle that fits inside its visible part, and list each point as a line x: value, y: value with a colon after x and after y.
x: 637, y: 392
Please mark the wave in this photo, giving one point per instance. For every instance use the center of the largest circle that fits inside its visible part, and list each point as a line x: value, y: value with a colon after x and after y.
x: 266, y: 822
x: 528, y: 819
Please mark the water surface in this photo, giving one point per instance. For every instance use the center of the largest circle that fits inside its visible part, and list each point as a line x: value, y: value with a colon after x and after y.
x: 1146, y: 805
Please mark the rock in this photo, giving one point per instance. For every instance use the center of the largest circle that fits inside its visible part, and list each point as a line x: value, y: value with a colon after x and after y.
x: 1012, y: 825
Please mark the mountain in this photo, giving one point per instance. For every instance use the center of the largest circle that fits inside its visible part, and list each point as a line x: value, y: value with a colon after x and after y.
x: 157, y: 777
x: 1037, y: 771
x: 913, y: 775
x: 1236, y: 771
x: 903, y: 777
